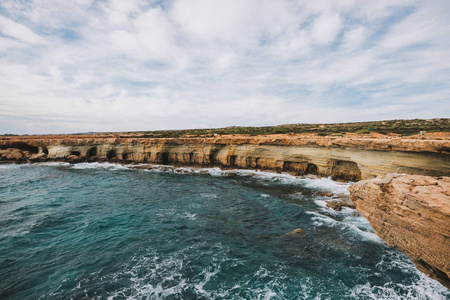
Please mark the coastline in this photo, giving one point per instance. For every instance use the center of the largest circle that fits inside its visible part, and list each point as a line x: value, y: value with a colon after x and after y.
x: 351, y: 157
x: 340, y: 159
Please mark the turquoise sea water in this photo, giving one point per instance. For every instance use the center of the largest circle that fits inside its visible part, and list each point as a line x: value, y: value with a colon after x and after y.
x: 104, y: 231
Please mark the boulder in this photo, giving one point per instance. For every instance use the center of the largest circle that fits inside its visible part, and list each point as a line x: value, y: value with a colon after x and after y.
x: 73, y: 159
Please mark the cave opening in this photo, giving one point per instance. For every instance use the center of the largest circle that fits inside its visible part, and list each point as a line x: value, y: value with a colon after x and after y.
x: 111, y: 154
x: 91, y: 152
x: 312, y: 169
x: 165, y: 158
x: 44, y: 150
x: 213, y: 158
x: 288, y: 166
x: 21, y: 146
x: 124, y: 156
x: 232, y: 160
x: 76, y: 153
x: 258, y: 163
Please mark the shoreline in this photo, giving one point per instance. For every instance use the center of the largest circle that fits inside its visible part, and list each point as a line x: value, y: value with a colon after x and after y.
x: 344, y: 158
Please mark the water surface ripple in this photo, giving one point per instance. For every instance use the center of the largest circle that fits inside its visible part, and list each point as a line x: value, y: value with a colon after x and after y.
x: 103, y: 231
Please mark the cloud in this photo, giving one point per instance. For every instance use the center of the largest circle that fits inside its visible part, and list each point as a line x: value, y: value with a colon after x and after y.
x: 326, y: 28
x: 18, y: 31
x: 141, y: 65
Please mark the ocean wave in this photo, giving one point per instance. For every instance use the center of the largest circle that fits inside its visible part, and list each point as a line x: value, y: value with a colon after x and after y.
x: 354, y: 224
x: 422, y: 289
x: 52, y: 164
x: 308, y: 181
x: 10, y: 166
x: 96, y: 165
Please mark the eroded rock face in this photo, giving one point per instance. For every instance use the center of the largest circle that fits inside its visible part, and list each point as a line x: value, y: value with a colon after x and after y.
x: 412, y: 214
x: 344, y: 159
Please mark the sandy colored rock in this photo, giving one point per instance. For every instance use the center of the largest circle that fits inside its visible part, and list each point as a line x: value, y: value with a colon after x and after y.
x: 412, y: 214
x: 349, y: 158
x: 13, y: 154
x: 38, y: 157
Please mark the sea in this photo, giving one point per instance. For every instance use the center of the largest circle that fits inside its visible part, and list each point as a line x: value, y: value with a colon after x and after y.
x: 111, y: 231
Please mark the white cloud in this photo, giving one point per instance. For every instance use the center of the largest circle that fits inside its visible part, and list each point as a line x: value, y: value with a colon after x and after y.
x: 326, y: 28
x: 18, y: 31
x: 139, y: 65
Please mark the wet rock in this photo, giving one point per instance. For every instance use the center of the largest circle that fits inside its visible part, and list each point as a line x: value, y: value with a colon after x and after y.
x: 73, y: 159
x: 337, y: 206
x: 92, y: 159
x: 324, y: 194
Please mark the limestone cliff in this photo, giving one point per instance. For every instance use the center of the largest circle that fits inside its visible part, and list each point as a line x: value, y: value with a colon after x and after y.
x: 349, y: 158
x: 412, y: 214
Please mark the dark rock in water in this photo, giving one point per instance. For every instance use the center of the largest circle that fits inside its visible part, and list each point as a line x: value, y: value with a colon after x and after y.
x: 343, y: 200
x: 73, y: 159
x: 296, y: 232
x: 324, y: 194
x: 337, y: 206
x: 343, y: 196
x: 92, y: 159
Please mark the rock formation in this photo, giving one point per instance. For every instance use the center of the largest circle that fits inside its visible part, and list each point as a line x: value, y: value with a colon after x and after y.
x: 412, y: 214
x: 344, y: 158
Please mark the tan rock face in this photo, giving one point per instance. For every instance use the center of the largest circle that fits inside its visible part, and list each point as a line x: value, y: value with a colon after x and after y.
x: 412, y: 214
x: 345, y: 159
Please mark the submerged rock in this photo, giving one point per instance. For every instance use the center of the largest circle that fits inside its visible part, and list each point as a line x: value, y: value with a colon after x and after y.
x: 296, y: 232
x: 412, y: 214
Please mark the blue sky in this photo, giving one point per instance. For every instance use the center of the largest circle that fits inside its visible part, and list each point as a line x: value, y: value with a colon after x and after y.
x: 84, y: 65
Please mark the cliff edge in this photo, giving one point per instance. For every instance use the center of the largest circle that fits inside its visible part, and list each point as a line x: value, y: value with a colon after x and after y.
x: 412, y: 214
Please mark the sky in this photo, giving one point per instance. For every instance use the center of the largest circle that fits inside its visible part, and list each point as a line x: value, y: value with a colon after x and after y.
x: 115, y: 65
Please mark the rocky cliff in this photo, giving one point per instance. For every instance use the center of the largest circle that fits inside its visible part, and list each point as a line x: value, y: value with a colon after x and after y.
x: 412, y: 214
x: 349, y: 158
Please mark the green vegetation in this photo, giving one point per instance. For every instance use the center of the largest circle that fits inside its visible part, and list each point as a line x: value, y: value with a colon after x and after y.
x: 403, y: 127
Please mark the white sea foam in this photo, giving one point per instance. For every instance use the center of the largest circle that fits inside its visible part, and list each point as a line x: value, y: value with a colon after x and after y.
x: 355, y: 224
x: 422, y: 289
x: 309, y: 181
x: 96, y: 165
x: 11, y: 166
x: 190, y: 216
x: 326, y: 184
x: 53, y: 164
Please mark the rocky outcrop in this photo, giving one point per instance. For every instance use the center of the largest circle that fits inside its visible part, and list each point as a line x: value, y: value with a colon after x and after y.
x: 347, y: 159
x: 412, y: 214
